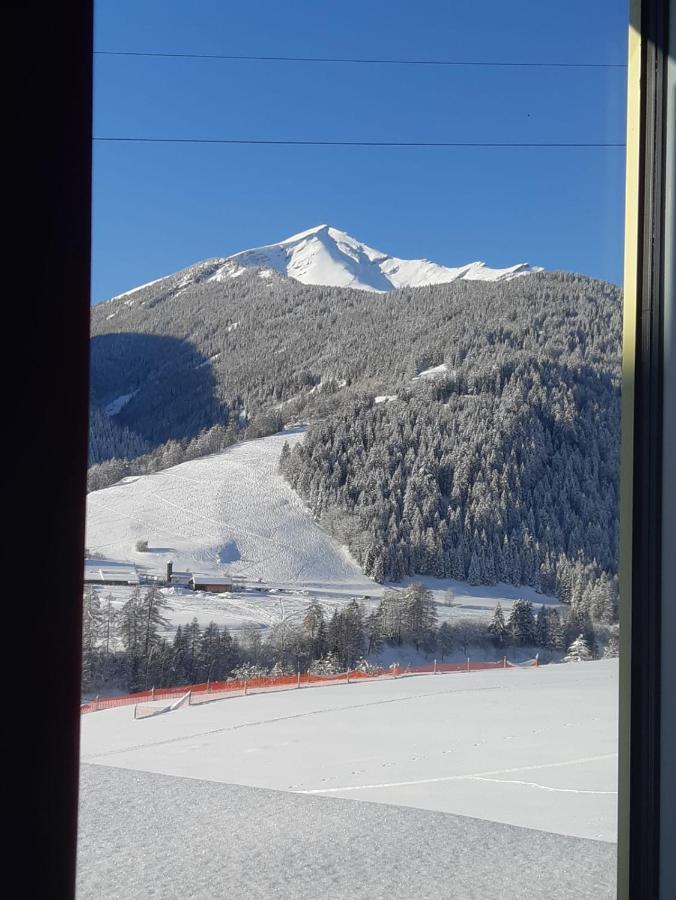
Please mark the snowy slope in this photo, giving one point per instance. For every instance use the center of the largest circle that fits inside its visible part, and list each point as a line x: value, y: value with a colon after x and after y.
x: 231, y: 511
x: 531, y: 747
x: 326, y: 256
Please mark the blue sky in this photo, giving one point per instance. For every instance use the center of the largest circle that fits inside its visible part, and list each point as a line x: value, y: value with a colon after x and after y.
x: 160, y: 207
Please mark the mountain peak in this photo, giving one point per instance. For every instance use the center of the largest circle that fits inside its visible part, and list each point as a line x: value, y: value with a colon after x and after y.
x: 325, y: 255
x: 309, y: 232
x: 328, y: 256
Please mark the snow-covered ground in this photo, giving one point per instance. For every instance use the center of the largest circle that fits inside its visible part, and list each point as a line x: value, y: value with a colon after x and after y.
x: 233, y: 513
x: 529, y: 747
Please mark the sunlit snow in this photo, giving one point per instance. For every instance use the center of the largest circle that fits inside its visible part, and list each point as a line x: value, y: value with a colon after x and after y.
x: 326, y: 255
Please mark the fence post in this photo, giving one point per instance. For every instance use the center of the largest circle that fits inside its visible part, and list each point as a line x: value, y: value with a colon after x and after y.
x: 468, y: 663
x: 537, y: 660
x: 298, y: 679
x: 135, y: 707
x: 347, y: 675
x: 504, y: 662
x: 152, y: 693
x: 245, y: 687
x: 96, y: 702
x: 190, y: 697
x: 435, y: 667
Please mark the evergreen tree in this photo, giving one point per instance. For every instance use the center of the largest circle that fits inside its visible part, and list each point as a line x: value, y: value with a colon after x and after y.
x: 314, y: 624
x: 557, y: 638
x: 578, y: 651
x: 612, y: 648
x: 92, y: 620
x: 542, y: 627
x: 92, y: 626
x: 522, y: 623
x: 150, y: 618
x: 497, y: 627
x: 374, y: 631
x: 420, y: 615
x: 393, y: 616
x: 130, y: 625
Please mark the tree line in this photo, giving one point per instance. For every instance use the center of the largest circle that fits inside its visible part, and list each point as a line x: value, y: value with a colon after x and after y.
x: 129, y: 648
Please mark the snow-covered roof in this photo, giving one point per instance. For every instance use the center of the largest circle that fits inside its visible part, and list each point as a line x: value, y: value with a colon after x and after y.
x: 107, y: 571
x: 211, y: 579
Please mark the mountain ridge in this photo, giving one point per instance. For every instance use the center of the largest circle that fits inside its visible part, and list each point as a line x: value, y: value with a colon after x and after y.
x: 324, y: 255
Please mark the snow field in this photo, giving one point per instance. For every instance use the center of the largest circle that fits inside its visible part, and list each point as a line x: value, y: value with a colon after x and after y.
x: 232, y: 510
x: 529, y: 747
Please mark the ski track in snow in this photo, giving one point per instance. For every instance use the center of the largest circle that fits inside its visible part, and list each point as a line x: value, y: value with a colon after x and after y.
x: 326, y: 710
x: 480, y: 776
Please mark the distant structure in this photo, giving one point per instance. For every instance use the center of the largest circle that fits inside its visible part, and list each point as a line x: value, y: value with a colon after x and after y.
x: 180, y: 579
x: 107, y: 572
x: 214, y: 584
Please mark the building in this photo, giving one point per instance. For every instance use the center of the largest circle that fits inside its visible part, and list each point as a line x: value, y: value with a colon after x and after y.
x: 107, y: 572
x: 214, y: 584
x: 180, y: 579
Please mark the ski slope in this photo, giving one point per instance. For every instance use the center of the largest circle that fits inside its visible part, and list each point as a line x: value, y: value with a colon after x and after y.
x: 229, y: 512
x: 535, y: 748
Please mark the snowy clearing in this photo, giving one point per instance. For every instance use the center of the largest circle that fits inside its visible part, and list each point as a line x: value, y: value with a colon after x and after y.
x: 530, y: 747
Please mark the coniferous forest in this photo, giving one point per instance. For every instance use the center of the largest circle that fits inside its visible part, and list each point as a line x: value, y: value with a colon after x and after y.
x: 127, y: 647
x: 467, y: 430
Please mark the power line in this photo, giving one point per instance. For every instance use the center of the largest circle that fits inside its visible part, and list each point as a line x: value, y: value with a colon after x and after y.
x: 358, y: 61
x: 320, y: 143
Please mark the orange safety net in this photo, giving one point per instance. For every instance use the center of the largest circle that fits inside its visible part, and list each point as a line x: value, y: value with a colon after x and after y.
x: 212, y: 690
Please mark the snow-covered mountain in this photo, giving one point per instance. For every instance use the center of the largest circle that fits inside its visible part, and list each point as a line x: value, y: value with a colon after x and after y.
x: 326, y: 256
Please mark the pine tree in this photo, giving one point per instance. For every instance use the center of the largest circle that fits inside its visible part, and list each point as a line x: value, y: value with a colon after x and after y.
x: 420, y: 615
x: 392, y: 613
x: 497, y: 627
x: 542, y: 627
x: 210, y: 650
x: 92, y: 620
x: 151, y: 618
x: 108, y: 626
x: 557, y: 638
x: 522, y: 623
x: 374, y: 631
x: 130, y: 623
x: 314, y: 625
x: 92, y: 625
x: 179, y: 652
x: 474, y: 573
x: 612, y: 648
x: 578, y: 651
